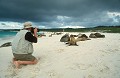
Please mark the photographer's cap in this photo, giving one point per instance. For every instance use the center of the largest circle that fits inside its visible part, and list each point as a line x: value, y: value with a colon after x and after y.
x: 27, y: 25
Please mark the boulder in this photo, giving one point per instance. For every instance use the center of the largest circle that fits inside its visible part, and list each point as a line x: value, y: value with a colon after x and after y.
x: 6, y: 44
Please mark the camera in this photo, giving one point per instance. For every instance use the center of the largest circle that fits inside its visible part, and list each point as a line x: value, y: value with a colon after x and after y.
x: 32, y: 29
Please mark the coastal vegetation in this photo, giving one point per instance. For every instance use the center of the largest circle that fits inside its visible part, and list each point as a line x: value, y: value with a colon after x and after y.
x: 107, y: 29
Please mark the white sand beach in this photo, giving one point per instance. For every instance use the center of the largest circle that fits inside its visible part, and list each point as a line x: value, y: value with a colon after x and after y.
x: 95, y: 58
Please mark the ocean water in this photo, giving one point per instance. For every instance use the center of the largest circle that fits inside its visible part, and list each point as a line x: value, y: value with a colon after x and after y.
x: 7, y: 34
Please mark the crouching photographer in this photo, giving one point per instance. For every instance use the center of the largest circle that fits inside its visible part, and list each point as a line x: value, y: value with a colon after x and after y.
x: 22, y: 47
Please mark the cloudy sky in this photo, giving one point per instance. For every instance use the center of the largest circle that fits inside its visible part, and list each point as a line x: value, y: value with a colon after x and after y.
x: 59, y: 13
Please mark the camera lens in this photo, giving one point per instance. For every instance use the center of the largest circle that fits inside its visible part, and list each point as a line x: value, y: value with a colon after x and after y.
x: 32, y: 30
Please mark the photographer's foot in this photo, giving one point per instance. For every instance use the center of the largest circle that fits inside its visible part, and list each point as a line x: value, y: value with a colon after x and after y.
x: 16, y: 63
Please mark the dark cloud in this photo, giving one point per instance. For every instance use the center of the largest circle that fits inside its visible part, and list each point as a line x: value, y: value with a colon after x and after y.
x: 46, y: 12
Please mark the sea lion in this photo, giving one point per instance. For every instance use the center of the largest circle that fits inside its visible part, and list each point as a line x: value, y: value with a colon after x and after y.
x: 82, y: 37
x: 96, y: 35
x: 50, y: 35
x: 92, y: 35
x: 72, y: 40
x: 65, y: 38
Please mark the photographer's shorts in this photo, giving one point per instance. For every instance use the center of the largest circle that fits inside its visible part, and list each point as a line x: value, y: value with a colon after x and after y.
x: 24, y: 57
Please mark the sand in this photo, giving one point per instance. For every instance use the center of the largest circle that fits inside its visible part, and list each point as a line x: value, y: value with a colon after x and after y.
x: 95, y: 58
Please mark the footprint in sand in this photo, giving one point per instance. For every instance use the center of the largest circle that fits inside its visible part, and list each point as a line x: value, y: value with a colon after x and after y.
x: 80, y: 66
x: 89, y: 76
x: 104, y: 69
x: 11, y: 71
x: 60, y: 50
x: 53, y: 74
x: 83, y: 66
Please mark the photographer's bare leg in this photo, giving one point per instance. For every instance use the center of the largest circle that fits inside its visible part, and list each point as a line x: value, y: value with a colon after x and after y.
x: 18, y: 63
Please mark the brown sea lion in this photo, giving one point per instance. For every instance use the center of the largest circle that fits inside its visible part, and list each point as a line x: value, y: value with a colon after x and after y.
x: 72, y: 40
x: 65, y: 38
x: 50, y: 35
x: 92, y: 35
x: 96, y: 35
x: 82, y: 37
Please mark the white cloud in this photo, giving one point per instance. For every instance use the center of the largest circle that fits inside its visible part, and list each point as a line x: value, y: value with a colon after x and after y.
x: 72, y: 27
x: 11, y: 25
x: 42, y: 27
x: 62, y: 17
x: 113, y: 15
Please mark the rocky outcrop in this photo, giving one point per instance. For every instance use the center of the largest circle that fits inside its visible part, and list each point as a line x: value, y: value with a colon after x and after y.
x: 6, y: 44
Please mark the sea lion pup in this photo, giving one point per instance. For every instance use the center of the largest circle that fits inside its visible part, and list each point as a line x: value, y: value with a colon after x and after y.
x: 50, y: 35
x: 92, y: 35
x: 72, y: 41
x: 65, y: 38
x: 82, y: 37
x: 96, y: 35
